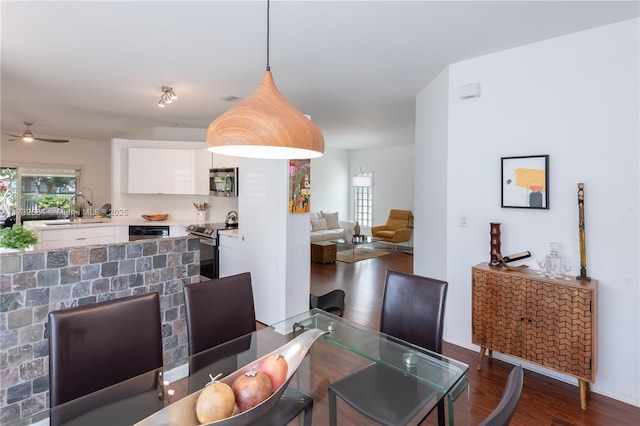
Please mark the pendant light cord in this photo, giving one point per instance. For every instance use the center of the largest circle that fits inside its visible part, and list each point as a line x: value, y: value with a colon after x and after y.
x: 268, y: 67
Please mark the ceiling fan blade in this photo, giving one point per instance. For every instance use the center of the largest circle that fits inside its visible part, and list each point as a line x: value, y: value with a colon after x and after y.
x: 52, y: 140
x: 11, y: 140
x: 15, y: 136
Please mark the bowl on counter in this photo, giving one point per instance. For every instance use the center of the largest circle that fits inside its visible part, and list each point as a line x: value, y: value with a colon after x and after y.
x: 155, y: 217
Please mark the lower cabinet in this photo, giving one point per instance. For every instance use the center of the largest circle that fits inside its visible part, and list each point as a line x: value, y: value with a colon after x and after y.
x: 50, y: 239
x: 547, y: 321
x: 230, y: 255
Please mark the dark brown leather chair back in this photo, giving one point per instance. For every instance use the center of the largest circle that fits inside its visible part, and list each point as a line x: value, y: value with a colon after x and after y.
x: 95, y: 346
x: 413, y: 309
x: 218, y: 311
x: 222, y: 311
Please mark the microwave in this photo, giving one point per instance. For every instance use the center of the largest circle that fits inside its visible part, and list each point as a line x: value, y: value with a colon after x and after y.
x: 223, y: 182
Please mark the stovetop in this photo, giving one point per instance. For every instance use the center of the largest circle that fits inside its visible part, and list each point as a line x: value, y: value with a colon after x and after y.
x: 208, y: 230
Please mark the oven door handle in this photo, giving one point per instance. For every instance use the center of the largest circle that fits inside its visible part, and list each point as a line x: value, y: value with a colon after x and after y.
x: 207, y: 242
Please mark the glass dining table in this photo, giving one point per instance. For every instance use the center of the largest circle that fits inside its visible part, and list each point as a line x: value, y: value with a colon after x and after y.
x: 346, y: 348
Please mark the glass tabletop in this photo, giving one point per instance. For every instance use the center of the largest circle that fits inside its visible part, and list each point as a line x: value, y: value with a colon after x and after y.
x: 429, y: 367
x: 345, y: 349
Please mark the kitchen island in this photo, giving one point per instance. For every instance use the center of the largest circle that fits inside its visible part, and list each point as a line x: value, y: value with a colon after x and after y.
x: 36, y: 282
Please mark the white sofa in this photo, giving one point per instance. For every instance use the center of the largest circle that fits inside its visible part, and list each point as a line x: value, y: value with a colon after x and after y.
x: 326, y: 226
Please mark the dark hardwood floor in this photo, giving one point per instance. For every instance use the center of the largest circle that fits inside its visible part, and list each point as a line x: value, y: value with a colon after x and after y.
x: 544, y: 401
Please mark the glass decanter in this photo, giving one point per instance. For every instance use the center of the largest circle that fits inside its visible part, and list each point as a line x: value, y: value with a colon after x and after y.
x: 553, y: 262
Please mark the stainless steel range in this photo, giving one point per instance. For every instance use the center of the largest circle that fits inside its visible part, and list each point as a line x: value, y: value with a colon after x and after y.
x: 209, y: 256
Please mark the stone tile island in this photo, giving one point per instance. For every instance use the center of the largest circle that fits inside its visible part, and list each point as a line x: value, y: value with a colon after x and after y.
x: 33, y: 283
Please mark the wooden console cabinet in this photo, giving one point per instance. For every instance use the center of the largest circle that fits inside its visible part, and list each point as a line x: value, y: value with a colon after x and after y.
x: 546, y: 321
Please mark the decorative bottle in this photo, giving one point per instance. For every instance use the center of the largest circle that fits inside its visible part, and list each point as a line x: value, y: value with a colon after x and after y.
x: 553, y: 264
x: 356, y: 230
x: 494, y: 243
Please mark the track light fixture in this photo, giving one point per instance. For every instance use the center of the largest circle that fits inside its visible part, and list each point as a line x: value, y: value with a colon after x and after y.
x: 168, y: 96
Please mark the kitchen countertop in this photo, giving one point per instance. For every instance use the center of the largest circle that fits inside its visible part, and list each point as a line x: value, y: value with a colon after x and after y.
x: 93, y: 222
x: 229, y: 232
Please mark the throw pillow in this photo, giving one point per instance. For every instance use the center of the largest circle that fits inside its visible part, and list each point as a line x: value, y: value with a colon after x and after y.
x: 332, y: 220
x: 319, y: 225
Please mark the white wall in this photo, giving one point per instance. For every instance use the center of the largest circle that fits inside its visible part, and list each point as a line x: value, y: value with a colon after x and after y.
x: 330, y: 182
x: 91, y: 156
x: 430, y: 222
x: 276, y: 243
x: 393, y: 178
x: 576, y: 99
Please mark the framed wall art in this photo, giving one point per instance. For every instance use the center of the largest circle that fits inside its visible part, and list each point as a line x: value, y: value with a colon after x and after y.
x: 299, y: 186
x: 525, y: 182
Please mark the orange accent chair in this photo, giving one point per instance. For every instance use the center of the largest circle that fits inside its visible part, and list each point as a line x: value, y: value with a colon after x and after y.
x: 398, y: 228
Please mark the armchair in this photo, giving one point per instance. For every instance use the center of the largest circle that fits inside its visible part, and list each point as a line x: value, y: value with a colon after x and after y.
x: 396, y: 229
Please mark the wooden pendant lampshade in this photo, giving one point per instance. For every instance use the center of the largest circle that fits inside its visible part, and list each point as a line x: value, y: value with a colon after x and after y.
x: 265, y: 125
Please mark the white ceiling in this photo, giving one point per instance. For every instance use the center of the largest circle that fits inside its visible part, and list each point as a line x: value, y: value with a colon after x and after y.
x: 93, y: 70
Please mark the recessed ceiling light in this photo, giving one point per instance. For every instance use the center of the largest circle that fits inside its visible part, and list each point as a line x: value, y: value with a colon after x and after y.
x: 229, y: 98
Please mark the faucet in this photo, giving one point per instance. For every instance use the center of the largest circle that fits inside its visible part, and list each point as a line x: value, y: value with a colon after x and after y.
x: 73, y: 213
x: 90, y: 203
x: 79, y: 194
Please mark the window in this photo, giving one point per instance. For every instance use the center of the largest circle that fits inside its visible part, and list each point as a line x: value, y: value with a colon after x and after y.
x: 363, y: 198
x: 8, y: 185
x: 38, y: 192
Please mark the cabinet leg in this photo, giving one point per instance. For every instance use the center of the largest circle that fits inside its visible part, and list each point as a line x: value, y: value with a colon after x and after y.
x: 481, y: 357
x: 583, y: 387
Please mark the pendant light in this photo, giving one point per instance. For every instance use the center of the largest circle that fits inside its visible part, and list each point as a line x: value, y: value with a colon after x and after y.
x: 265, y: 125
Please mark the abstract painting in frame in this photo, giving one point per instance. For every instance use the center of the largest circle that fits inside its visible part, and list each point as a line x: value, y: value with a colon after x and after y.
x: 300, y: 186
x: 525, y: 182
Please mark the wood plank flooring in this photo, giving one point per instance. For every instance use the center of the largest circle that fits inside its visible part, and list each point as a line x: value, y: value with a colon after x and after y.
x: 544, y: 401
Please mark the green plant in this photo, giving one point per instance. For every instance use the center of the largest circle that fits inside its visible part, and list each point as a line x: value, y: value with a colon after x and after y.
x: 17, y: 237
x: 60, y: 201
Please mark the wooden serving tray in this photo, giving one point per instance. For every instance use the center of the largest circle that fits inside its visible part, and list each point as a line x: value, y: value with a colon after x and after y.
x: 155, y: 217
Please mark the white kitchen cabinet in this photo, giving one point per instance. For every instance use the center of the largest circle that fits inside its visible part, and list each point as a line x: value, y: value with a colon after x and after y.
x: 232, y: 260
x: 121, y: 233
x: 52, y: 238
x: 168, y: 171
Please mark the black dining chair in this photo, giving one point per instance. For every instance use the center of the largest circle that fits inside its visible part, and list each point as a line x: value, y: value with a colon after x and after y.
x: 221, y: 312
x: 332, y: 302
x: 94, y: 346
x: 413, y: 311
x: 502, y: 414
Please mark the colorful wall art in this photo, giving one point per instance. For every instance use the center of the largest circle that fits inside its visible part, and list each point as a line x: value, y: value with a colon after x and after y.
x: 525, y: 182
x: 300, y: 186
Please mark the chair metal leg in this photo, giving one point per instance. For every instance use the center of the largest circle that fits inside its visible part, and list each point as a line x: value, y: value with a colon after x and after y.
x: 308, y: 414
x: 333, y: 409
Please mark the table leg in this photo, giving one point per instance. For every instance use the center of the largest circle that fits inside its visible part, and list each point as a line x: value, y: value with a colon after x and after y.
x: 460, y: 389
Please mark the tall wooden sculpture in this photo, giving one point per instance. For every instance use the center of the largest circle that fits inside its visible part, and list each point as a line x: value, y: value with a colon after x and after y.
x: 583, y: 245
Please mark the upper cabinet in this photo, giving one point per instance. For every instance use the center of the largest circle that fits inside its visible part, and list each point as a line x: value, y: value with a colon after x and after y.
x: 168, y: 171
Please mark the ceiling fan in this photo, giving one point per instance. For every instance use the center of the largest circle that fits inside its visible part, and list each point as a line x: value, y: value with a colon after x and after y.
x: 27, y: 136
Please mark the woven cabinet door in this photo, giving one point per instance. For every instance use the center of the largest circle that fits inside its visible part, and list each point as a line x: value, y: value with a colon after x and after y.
x: 559, y: 327
x: 498, y: 311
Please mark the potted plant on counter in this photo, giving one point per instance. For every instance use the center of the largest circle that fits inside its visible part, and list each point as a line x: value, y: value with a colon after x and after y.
x: 17, y: 238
